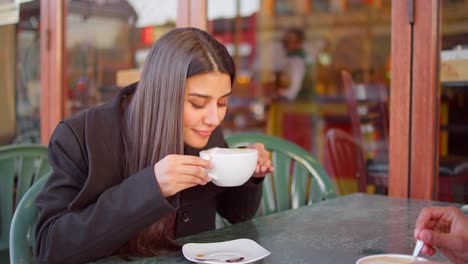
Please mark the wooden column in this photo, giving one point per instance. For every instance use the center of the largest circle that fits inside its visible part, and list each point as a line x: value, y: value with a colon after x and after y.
x: 414, y: 103
x: 7, y: 89
x: 400, y: 101
x: 237, y: 36
x: 191, y: 13
x: 267, y: 7
x: 183, y: 13
x: 426, y: 103
x: 198, y: 15
x: 52, y: 66
x: 305, y: 7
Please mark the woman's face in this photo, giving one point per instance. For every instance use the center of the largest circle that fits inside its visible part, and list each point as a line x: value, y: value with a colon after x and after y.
x: 205, y: 104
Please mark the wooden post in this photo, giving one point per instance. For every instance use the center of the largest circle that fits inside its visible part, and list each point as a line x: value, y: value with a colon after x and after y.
x: 237, y: 35
x: 191, y: 13
x: 426, y: 103
x: 414, y: 104
x: 198, y: 15
x: 400, y: 101
x: 183, y: 14
x: 52, y: 66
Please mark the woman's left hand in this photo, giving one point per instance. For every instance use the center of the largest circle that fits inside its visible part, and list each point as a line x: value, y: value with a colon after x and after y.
x: 264, y: 165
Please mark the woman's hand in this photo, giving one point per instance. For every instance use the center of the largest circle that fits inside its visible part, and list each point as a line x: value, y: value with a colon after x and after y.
x: 264, y: 165
x: 175, y: 173
x: 445, y: 228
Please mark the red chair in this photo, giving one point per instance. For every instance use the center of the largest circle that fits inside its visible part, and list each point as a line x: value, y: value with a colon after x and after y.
x: 367, y: 105
x: 344, y: 161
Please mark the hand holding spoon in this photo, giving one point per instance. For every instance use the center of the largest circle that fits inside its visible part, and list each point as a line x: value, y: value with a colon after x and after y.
x: 417, y: 249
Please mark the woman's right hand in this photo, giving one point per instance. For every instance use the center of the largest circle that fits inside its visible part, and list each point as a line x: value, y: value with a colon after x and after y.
x: 175, y: 173
x: 445, y: 228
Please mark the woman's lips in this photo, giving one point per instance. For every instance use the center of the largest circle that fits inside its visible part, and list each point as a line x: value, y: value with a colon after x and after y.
x: 203, y: 133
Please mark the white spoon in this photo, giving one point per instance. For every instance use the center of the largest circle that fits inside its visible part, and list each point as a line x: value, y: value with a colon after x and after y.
x: 417, y: 249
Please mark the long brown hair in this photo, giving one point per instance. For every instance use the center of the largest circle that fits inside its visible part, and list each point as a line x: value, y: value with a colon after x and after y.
x: 153, y: 120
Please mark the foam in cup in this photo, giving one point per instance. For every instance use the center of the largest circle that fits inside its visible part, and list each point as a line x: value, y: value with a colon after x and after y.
x: 388, y: 259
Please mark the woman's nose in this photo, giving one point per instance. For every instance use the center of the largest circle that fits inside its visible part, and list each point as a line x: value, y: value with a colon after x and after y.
x: 211, y: 117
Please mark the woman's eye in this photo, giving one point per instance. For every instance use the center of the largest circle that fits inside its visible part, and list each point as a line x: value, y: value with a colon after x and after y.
x: 223, y: 102
x: 203, y: 105
x: 196, y: 106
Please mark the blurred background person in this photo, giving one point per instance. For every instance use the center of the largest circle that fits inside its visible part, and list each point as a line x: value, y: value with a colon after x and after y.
x: 295, y: 81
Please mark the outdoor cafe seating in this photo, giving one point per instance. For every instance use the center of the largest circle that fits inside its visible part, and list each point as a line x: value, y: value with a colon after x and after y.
x: 301, y: 217
x: 20, y: 167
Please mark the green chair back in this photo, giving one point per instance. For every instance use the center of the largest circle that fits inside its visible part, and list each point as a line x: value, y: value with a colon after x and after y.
x: 20, y: 167
x: 298, y: 179
x: 23, y: 225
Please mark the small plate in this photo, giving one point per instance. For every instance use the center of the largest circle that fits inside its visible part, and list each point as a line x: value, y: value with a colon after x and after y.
x: 247, y: 248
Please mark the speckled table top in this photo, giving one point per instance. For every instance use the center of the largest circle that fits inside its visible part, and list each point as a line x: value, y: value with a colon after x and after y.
x: 335, y: 231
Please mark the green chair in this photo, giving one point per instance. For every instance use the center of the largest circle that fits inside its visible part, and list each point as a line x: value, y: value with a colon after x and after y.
x: 20, y: 167
x: 22, y: 232
x: 298, y: 179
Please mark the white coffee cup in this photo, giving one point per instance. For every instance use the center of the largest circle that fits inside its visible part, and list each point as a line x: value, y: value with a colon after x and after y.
x: 231, y: 166
x: 388, y: 259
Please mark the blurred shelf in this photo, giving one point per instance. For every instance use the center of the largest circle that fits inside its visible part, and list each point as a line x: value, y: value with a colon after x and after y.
x: 455, y: 84
x: 454, y: 71
x: 456, y: 128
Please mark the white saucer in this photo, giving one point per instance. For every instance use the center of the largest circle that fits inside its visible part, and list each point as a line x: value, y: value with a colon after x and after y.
x: 247, y: 248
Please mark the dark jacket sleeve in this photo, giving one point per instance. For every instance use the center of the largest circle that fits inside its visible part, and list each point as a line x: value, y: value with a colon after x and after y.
x: 238, y: 204
x: 66, y: 235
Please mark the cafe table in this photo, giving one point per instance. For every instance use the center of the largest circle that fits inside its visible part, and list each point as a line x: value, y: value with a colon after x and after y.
x: 340, y: 230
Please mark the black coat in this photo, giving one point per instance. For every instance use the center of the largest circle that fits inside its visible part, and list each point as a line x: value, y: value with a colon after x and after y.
x: 87, y: 209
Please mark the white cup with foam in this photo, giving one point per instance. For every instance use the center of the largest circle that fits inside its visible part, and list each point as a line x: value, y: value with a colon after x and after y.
x: 388, y: 259
x: 231, y: 166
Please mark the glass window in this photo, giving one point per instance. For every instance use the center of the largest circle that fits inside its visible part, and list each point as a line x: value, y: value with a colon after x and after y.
x: 20, y: 91
x: 107, y: 42
x: 453, y: 165
x: 290, y: 57
x: 233, y: 23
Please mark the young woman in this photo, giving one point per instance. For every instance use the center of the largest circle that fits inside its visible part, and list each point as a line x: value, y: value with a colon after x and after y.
x: 126, y: 176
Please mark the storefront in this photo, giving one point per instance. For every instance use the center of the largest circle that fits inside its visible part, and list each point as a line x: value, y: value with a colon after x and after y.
x: 65, y: 56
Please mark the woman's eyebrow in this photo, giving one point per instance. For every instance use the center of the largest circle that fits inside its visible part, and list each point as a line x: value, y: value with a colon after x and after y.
x: 226, y: 95
x: 208, y: 96
x: 200, y: 95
